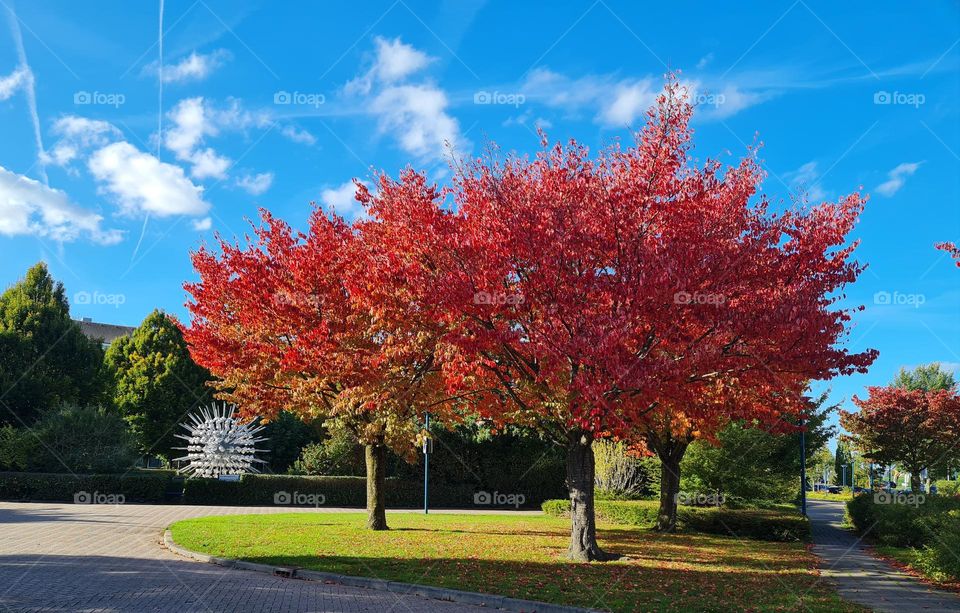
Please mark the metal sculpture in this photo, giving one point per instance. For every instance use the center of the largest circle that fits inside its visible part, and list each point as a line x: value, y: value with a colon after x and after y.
x: 219, y: 444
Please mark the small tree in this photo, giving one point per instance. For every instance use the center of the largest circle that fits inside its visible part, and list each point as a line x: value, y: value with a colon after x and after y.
x: 83, y: 439
x: 929, y: 377
x: 288, y: 323
x: 155, y: 383
x: 45, y: 359
x: 917, y: 429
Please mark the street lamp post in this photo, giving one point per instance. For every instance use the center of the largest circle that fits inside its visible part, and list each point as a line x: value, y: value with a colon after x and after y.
x: 843, y: 480
x: 803, y: 470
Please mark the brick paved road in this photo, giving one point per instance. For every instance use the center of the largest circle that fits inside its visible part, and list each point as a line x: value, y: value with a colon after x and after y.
x: 862, y: 578
x: 64, y: 557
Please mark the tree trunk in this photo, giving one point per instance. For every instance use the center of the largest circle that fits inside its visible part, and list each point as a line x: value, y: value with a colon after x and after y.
x: 916, y: 485
x: 376, y: 455
x: 580, y: 483
x: 670, y: 454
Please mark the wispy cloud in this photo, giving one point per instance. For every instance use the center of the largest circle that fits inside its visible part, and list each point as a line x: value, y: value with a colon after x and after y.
x: 256, y: 184
x: 806, y: 181
x: 28, y: 207
x: 896, y: 178
x: 29, y: 87
x: 194, y: 67
x: 342, y: 199
x: 414, y: 114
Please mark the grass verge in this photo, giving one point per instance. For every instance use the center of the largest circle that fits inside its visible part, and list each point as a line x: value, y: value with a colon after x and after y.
x: 523, y: 557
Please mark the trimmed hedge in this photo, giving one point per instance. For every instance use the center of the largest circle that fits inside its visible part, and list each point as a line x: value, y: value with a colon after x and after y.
x: 260, y: 490
x: 762, y: 524
x: 253, y: 490
x: 136, y: 486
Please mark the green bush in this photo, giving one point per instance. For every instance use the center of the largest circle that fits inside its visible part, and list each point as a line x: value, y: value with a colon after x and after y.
x: 337, y: 491
x: 780, y: 524
x: 903, y: 525
x: 938, y: 559
x: 137, y: 486
x: 82, y: 439
x: 948, y: 488
x: 17, y: 447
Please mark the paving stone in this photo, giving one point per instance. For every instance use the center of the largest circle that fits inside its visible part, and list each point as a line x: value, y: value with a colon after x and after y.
x: 87, y: 557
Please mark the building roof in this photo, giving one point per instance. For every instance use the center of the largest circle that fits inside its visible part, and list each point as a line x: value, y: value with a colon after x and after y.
x: 105, y: 333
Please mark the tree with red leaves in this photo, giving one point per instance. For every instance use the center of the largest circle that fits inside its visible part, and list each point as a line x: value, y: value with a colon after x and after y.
x: 917, y: 428
x: 603, y: 297
x: 952, y: 249
x: 288, y: 323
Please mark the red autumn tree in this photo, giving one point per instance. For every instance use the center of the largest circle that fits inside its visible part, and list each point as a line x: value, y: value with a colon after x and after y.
x: 284, y: 323
x: 918, y: 429
x: 952, y: 249
x: 595, y: 297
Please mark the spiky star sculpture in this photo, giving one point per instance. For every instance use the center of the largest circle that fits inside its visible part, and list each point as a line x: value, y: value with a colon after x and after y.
x: 218, y: 444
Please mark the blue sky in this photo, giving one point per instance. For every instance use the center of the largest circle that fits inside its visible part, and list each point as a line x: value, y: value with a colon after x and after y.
x: 112, y: 169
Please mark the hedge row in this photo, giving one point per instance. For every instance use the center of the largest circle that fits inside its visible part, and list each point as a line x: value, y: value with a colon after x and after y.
x: 136, y: 486
x: 252, y: 490
x: 929, y: 524
x: 336, y: 491
x: 763, y: 524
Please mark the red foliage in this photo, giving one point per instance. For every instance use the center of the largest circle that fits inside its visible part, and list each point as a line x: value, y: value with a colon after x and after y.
x: 603, y: 293
x: 916, y: 428
x: 952, y: 249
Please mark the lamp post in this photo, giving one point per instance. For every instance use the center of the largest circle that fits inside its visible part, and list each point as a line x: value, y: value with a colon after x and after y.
x: 427, y: 444
x: 843, y: 480
x: 803, y: 470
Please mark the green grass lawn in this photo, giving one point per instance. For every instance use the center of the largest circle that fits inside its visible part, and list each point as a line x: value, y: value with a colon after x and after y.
x: 828, y: 496
x: 523, y: 557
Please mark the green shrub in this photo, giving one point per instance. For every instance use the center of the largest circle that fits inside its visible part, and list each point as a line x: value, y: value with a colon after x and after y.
x: 938, y: 559
x: 338, y: 454
x: 780, y: 524
x: 137, y: 486
x: 17, y: 447
x: 337, y: 491
x: 948, y: 488
x: 902, y: 525
x: 83, y: 439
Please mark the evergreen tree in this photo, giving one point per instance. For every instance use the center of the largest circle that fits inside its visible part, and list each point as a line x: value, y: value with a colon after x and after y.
x: 841, y: 458
x: 45, y: 360
x: 927, y: 377
x: 156, y: 383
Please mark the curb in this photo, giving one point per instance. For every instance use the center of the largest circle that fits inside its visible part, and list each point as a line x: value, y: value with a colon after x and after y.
x: 504, y: 603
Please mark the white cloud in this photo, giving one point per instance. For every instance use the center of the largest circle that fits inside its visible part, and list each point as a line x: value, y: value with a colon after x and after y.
x: 630, y: 101
x: 394, y: 61
x: 298, y: 136
x: 806, y: 181
x: 416, y: 116
x: 617, y: 102
x: 78, y: 134
x: 28, y: 207
x: 896, y: 178
x: 704, y: 61
x: 194, y: 67
x: 202, y: 225
x: 256, y: 184
x: 341, y: 198
x: 142, y: 183
x: 191, y: 123
x: 13, y: 82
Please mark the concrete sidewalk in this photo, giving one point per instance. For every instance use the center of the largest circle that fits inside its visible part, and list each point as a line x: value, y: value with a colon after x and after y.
x: 860, y: 577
